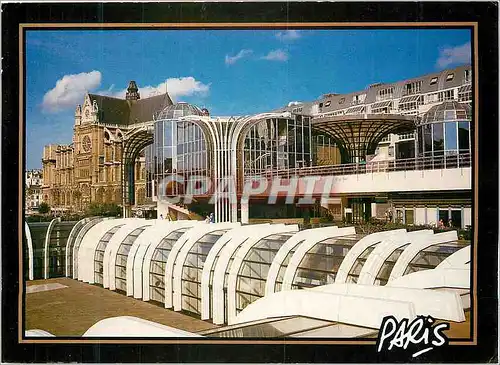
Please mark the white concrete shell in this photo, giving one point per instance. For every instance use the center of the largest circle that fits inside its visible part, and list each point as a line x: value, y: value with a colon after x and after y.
x: 127, y: 326
x: 114, y: 243
x: 46, y: 247
x: 71, y: 241
x: 359, y: 248
x: 182, y: 255
x: 445, y: 305
x: 29, y: 242
x: 288, y: 246
x: 150, y: 250
x: 222, y: 267
x: 86, y: 251
x: 415, y: 247
x: 78, y: 242
x: 304, y: 247
x: 385, y: 249
x: 457, y: 260
x: 328, y: 306
x: 137, y: 254
x: 239, y: 234
x: 38, y: 333
x: 240, y: 256
x: 435, y: 279
x: 189, y: 238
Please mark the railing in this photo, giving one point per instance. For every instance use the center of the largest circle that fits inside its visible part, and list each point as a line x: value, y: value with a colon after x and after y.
x: 410, y: 164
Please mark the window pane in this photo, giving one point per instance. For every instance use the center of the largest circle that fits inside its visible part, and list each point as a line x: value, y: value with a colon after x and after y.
x: 451, y: 136
x: 427, y: 139
x: 438, y: 140
x: 463, y: 136
x: 409, y: 216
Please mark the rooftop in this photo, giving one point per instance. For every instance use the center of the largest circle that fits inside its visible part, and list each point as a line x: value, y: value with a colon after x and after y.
x: 61, y: 312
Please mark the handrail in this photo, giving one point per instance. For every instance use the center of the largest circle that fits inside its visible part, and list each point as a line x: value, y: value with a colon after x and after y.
x: 409, y: 164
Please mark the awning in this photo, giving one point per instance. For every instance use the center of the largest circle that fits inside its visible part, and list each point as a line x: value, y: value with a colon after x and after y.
x: 382, y: 104
x: 356, y: 109
x: 409, y: 99
x: 465, y: 89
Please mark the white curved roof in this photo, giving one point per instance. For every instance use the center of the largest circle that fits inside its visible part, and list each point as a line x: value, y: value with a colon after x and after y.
x: 37, y: 333
x: 445, y: 305
x: 240, y: 256
x: 239, y: 234
x: 435, y: 279
x: 113, y: 246
x: 304, y: 247
x: 415, y: 247
x: 137, y: 255
x: 184, y: 251
x: 29, y: 242
x: 385, y: 249
x: 86, y: 251
x: 287, y: 247
x: 334, y: 307
x: 127, y: 326
x: 188, y: 238
x: 458, y: 260
x: 223, y: 266
x: 359, y: 248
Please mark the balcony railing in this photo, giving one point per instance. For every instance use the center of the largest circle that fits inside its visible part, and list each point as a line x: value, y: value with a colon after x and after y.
x: 410, y: 164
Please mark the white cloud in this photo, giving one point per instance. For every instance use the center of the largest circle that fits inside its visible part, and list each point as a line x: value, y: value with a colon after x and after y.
x: 70, y: 90
x: 276, y: 55
x: 454, y: 55
x: 288, y: 35
x: 176, y: 87
x: 231, y: 60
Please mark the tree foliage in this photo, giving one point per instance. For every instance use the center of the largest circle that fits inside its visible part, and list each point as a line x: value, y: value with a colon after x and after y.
x: 104, y: 210
x: 44, y: 208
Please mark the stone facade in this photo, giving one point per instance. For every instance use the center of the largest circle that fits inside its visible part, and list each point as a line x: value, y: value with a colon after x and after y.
x: 33, y: 190
x: 89, y: 170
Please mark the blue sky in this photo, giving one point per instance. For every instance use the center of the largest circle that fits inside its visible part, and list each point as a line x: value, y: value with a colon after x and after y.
x: 233, y: 72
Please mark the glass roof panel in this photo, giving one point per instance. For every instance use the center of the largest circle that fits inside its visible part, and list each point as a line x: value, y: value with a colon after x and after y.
x: 278, y: 327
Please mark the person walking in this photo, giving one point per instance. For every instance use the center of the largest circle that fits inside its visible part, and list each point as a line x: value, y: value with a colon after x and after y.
x: 212, y: 218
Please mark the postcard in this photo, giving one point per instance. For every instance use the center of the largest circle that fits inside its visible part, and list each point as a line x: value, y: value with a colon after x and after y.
x: 250, y: 182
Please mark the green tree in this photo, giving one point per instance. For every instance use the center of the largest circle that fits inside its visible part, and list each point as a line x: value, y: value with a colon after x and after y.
x: 104, y: 210
x: 44, y: 208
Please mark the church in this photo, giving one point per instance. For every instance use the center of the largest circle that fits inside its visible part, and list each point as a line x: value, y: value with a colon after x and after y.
x: 89, y: 170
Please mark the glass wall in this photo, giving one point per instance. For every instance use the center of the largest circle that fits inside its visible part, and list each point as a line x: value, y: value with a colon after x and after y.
x: 277, y: 144
x: 385, y: 271
x: 122, y: 255
x: 320, y: 264
x: 355, y: 270
x: 26, y: 263
x: 78, y: 241
x: 284, y: 264
x: 432, y: 256
x: 192, y: 270
x: 76, y: 230
x: 38, y: 232
x: 99, y: 254
x: 278, y: 327
x: 158, y: 264
x: 445, y: 132
x: 179, y: 148
x: 252, y: 275
x: 57, y: 247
